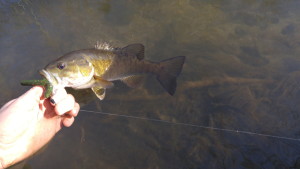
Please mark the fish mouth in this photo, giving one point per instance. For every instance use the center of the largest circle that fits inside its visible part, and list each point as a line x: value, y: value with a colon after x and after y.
x: 48, y: 76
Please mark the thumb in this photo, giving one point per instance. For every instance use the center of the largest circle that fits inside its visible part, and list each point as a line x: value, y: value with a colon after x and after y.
x: 34, y: 94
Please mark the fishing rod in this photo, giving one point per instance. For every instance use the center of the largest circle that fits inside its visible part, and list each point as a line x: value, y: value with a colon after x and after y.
x: 196, y: 126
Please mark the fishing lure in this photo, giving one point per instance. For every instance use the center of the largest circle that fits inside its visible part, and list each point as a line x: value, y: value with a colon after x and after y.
x: 44, y: 82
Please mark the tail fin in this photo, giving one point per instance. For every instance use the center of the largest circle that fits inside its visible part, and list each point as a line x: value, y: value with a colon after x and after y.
x: 168, y: 73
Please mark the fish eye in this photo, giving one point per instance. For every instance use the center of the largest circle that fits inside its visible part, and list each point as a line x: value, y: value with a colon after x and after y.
x: 61, y: 65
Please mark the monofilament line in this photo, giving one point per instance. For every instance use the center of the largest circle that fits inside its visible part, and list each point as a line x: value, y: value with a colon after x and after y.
x: 196, y: 126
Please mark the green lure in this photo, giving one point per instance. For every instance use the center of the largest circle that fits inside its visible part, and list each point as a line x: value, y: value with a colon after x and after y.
x: 44, y: 82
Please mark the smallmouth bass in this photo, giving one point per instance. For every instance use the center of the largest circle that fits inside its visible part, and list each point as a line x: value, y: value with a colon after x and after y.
x: 98, y: 67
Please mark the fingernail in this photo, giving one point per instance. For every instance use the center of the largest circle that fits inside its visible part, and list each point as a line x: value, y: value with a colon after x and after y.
x: 52, y: 102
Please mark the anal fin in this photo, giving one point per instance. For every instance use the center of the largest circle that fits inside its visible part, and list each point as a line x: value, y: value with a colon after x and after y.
x: 99, y: 92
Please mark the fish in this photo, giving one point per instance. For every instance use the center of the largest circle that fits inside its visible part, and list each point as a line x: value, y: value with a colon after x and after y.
x: 97, y: 68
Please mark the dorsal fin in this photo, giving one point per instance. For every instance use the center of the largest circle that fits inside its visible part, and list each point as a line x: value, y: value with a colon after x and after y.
x: 103, y: 46
x: 136, y: 49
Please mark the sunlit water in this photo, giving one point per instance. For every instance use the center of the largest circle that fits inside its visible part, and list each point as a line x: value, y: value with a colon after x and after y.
x: 241, y: 73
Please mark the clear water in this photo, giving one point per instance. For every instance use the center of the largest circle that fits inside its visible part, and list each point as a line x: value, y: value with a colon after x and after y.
x: 242, y: 72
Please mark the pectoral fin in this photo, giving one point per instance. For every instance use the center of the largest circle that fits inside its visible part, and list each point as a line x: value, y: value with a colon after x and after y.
x: 133, y: 81
x: 99, y: 92
x: 99, y: 82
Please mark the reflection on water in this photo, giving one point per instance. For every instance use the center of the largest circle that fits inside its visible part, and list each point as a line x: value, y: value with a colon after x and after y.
x: 242, y: 72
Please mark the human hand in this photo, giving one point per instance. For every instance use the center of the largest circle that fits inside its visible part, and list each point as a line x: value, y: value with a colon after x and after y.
x: 28, y: 122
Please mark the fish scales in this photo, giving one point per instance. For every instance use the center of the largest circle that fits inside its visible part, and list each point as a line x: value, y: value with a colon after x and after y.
x: 100, y: 59
x: 123, y: 66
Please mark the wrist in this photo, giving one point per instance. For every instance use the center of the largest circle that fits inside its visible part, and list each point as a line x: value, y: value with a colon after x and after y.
x: 4, y: 153
x: 9, y: 154
x: 1, y: 160
x: 1, y: 166
x: 8, y: 157
x: 1, y: 157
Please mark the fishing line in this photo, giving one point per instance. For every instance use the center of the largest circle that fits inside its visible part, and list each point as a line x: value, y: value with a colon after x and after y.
x: 196, y: 126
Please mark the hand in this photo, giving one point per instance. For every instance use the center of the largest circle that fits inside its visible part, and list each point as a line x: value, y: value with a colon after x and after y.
x: 30, y: 121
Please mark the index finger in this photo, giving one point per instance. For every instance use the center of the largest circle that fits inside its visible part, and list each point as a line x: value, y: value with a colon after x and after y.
x: 33, y: 95
x: 65, y: 105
